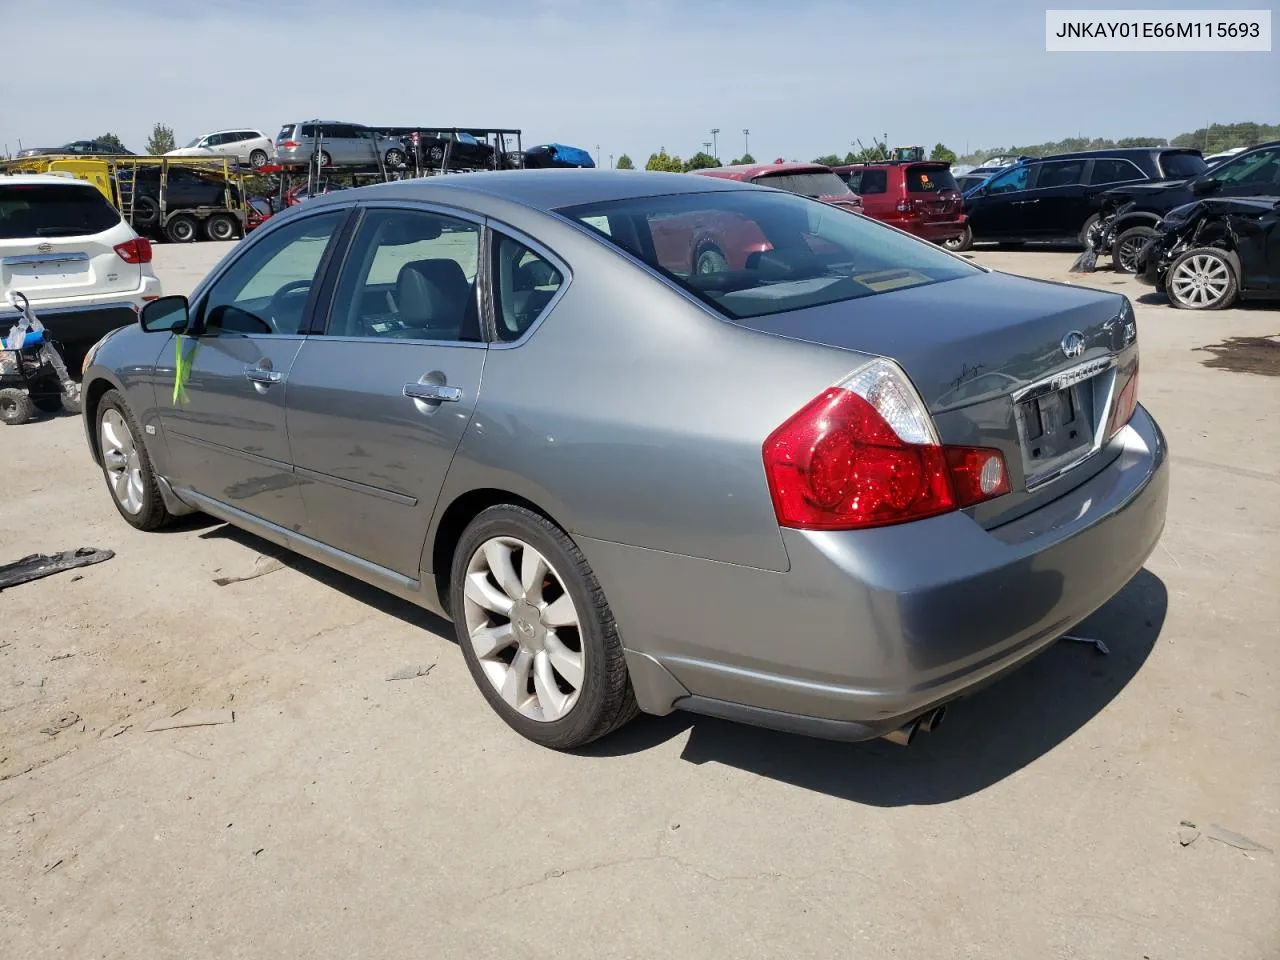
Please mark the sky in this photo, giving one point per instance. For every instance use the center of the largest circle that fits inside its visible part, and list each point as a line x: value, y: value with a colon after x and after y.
x: 806, y: 77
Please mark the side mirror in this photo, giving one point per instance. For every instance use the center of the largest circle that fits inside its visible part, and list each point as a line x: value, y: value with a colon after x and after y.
x: 1203, y: 186
x: 166, y: 315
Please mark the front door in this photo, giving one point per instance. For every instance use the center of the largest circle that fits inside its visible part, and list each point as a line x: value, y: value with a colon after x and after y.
x: 999, y: 210
x: 225, y: 422
x: 379, y: 402
x: 1059, y: 206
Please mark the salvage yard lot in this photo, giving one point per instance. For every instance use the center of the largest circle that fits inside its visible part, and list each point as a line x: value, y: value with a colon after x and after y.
x: 344, y: 813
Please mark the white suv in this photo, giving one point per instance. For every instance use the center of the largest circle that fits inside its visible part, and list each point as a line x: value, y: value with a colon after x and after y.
x: 249, y: 147
x: 83, y: 269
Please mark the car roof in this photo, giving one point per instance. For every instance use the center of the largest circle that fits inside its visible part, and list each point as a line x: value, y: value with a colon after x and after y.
x: 896, y: 164
x: 749, y: 171
x: 22, y: 179
x: 548, y: 190
x: 1119, y: 152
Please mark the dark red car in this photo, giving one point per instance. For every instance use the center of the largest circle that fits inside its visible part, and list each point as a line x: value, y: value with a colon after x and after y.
x: 920, y: 197
x: 807, y: 179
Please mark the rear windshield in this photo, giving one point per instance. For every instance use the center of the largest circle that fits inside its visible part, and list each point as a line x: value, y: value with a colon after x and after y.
x: 751, y: 254
x: 930, y: 180
x: 285, y: 132
x: 53, y: 210
x: 1179, y: 166
x: 820, y: 183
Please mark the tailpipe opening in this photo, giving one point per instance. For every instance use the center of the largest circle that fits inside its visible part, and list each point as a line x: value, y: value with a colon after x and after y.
x: 927, y: 722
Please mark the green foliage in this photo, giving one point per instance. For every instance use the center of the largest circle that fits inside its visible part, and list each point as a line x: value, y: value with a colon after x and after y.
x: 828, y: 160
x: 664, y: 163
x: 161, y: 140
x: 701, y: 161
x: 744, y: 159
x: 943, y: 153
x: 1224, y: 136
x: 111, y: 140
x: 1212, y: 139
x: 624, y: 163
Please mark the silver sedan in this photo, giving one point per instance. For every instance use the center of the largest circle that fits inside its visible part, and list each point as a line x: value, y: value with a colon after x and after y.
x: 829, y: 484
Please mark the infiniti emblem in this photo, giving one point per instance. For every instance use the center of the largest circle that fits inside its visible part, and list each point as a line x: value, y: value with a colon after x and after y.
x: 45, y: 248
x: 1073, y: 344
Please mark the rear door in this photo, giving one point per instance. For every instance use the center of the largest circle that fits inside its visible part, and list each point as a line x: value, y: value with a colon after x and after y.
x: 1058, y: 205
x: 873, y: 187
x: 225, y: 423
x: 58, y: 240
x: 378, y: 402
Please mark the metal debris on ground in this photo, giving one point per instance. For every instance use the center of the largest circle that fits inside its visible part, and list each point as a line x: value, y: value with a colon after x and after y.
x: 1188, y: 833
x: 411, y: 673
x: 193, y: 718
x: 262, y: 565
x: 1098, y: 645
x: 1231, y: 838
x: 38, y: 565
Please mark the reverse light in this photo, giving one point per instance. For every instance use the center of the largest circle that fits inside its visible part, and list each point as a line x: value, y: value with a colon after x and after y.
x: 137, y: 250
x: 864, y: 453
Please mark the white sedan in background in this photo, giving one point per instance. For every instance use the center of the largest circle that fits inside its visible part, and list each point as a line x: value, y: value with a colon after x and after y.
x: 249, y: 147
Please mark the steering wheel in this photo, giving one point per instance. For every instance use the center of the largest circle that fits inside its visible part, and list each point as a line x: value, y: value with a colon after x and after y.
x: 279, y: 308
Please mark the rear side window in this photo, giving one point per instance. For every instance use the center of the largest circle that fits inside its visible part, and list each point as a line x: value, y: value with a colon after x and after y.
x: 524, y: 284
x: 1179, y: 166
x: 53, y: 210
x: 308, y: 130
x: 874, y: 181
x: 820, y: 183
x: 1062, y: 173
x: 854, y: 179
x: 1113, y: 170
x: 930, y: 180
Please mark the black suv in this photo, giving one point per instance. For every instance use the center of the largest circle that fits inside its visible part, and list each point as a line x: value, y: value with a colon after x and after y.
x: 1131, y: 212
x: 1059, y: 198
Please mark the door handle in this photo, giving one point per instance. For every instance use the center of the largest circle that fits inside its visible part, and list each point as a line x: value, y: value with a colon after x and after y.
x: 259, y: 375
x: 1019, y: 203
x: 432, y: 391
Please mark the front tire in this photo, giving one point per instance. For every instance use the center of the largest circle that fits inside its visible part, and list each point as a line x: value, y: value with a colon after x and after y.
x: 536, y: 630
x: 131, y: 481
x: 1203, y: 278
x: 394, y: 158
x: 15, y: 407
x: 1092, y: 224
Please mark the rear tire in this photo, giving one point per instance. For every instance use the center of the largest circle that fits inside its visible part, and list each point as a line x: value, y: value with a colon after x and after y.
x: 711, y: 260
x: 16, y: 407
x: 131, y: 481
x: 552, y: 665
x: 1203, y: 278
x: 1090, y: 225
x: 325, y: 159
x: 1124, y: 250
x: 961, y: 243
x: 258, y: 159
x: 221, y: 227
x: 395, y: 158
x: 181, y: 229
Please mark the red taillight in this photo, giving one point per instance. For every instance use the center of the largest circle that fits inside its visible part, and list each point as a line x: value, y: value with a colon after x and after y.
x: 1126, y: 402
x: 137, y: 250
x: 290, y: 144
x: 842, y: 462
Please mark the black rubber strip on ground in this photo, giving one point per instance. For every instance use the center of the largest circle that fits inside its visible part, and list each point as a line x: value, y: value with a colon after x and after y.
x: 39, y: 565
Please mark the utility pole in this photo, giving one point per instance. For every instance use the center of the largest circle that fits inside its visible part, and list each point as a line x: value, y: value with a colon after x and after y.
x: 746, y: 142
x: 611, y: 161
x: 706, y: 147
x: 597, y: 154
x: 715, y: 132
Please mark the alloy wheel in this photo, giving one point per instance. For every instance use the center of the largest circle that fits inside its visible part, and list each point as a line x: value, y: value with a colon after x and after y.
x: 1200, y: 280
x: 121, y: 461
x: 524, y: 629
x: 1128, y: 253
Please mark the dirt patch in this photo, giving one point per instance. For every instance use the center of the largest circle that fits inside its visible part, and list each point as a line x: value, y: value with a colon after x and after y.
x: 1259, y: 355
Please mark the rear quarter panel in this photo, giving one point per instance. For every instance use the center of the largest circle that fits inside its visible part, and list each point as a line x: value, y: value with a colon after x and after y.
x: 632, y: 415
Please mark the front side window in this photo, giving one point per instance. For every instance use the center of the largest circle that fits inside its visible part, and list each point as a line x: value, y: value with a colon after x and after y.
x: 1064, y: 173
x: 1010, y: 181
x: 524, y: 283
x: 1262, y: 167
x: 266, y: 290
x: 410, y: 275
x: 751, y: 253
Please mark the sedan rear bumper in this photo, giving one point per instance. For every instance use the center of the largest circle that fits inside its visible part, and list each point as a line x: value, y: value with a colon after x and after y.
x: 871, y: 628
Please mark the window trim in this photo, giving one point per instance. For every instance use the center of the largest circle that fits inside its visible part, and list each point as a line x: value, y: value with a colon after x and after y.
x: 200, y: 296
x: 1136, y: 169
x: 1082, y: 181
x: 511, y: 233
x: 323, y: 313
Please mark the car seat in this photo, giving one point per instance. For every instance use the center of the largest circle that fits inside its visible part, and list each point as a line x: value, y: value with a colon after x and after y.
x: 436, y: 301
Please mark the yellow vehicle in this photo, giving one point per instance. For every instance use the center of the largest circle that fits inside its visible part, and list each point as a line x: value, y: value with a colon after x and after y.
x: 178, y: 199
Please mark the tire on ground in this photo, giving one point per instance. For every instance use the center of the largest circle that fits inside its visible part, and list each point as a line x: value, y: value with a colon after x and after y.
x: 153, y: 515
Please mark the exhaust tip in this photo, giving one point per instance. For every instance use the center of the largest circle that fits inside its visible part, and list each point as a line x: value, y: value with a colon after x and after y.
x: 931, y: 720
x: 904, y: 734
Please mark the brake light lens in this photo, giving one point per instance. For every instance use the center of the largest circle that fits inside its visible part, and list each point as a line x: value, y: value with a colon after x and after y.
x: 1126, y: 402
x: 906, y: 206
x: 290, y: 144
x: 137, y: 250
x: 864, y: 454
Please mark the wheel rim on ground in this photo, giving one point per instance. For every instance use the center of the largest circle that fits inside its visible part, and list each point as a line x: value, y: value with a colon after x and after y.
x: 1128, y: 253
x: 1200, y: 280
x: 121, y: 461
x: 524, y: 629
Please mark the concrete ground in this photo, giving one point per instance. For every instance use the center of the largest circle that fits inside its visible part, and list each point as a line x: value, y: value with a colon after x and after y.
x: 345, y: 814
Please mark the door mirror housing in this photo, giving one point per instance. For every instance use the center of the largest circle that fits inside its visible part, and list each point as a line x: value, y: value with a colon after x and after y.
x: 1204, y: 186
x: 166, y: 315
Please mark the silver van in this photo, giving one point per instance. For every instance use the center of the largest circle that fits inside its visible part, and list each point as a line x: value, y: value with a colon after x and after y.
x: 339, y: 144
